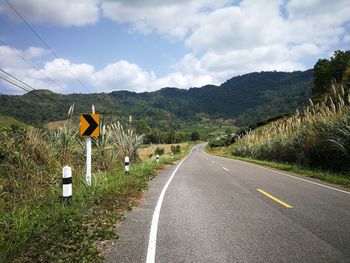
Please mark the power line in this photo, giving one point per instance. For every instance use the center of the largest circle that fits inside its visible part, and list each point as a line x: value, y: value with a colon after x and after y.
x: 16, y: 79
x: 35, y: 94
x: 27, y: 87
x: 45, y: 44
x: 33, y: 66
x: 19, y: 86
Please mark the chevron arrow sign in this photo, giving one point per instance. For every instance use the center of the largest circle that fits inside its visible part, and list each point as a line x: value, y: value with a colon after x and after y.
x: 89, y: 125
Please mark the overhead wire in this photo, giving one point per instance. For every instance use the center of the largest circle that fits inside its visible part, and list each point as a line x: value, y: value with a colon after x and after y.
x: 33, y: 66
x: 13, y: 83
x: 26, y: 87
x: 46, y: 45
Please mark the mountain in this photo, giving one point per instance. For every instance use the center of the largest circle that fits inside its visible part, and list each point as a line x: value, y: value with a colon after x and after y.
x: 242, y: 100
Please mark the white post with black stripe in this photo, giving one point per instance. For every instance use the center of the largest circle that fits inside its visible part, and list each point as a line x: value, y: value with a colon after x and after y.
x: 157, y: 158
x: 127, y: 165
x: 67, y: 183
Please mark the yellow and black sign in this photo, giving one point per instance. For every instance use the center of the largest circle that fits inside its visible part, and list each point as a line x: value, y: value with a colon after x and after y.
x: 89, y: 125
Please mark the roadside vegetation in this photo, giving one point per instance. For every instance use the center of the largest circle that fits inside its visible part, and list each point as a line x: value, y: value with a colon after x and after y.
x: 35, y: 225
x: 316, y: 137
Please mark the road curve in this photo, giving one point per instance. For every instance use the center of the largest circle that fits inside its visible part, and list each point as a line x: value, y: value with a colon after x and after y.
x: 222, y: 210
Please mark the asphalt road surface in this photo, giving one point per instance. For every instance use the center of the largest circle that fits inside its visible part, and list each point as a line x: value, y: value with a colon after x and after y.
x: 213, y: 209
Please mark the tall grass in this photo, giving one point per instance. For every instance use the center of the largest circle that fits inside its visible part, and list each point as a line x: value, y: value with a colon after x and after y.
x: 34, y: 224
x: 317, y: 136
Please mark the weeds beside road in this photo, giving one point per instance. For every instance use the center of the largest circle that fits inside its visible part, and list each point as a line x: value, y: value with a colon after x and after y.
x: 35, y: 225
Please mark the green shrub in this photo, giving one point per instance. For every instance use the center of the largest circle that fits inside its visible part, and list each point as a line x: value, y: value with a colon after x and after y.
x: 176, y: 149
x: 159, y: 151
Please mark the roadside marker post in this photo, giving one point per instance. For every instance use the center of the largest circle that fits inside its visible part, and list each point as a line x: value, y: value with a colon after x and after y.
x: 157, y: 158
x: 127, y: 165
x: 67, y: 184
x: 89, y: 127
x: 88, y: 161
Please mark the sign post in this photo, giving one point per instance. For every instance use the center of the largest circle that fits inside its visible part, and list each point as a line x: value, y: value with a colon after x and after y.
x: 89, y: 127
x: 88, y: 161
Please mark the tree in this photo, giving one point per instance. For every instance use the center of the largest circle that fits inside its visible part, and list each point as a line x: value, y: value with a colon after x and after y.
x: 326, y: 71
x: 142, y: 126
x: 179, y: 137
x: 159, y: 151
x: 171, y: 136
x: 340, y: 61
x: 322, y: 76
x: 195, y: 136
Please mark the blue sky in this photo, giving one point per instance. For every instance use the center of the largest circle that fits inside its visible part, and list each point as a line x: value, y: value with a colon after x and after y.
x: 99, y: 44
x: 146, y: 45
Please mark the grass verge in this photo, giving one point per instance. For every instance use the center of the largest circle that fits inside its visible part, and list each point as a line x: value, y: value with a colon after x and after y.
x: 47, y: 230
x: 331, y: 177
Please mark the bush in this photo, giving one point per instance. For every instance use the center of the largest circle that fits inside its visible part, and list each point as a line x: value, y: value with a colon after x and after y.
x: 223, y: 141
x: 195, y: 136
x: 176, y: 149
x: 159, y: 151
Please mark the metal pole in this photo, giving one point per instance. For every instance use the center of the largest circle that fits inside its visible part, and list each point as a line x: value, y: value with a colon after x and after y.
x: 88, y: 155
x: 88, y: 161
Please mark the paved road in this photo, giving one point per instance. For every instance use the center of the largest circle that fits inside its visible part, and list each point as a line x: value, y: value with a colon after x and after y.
x: 222, y: 210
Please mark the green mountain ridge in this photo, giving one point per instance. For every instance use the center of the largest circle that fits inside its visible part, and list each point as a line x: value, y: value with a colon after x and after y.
x: 243, y: 100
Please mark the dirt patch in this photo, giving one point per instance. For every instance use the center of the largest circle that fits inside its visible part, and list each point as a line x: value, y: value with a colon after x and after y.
x: 58, y: 124
x: 145, y: 152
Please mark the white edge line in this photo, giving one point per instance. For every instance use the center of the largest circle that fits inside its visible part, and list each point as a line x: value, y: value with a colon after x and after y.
x: 152, y: 242
x: 292, y: 176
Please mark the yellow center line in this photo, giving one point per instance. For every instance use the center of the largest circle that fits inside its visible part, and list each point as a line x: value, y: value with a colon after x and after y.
x: 274, y: 198
x: 225, y: 168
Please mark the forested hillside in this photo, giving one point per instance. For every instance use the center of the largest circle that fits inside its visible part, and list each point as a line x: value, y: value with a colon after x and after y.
x: 318, y: 135
x: 242, y: 100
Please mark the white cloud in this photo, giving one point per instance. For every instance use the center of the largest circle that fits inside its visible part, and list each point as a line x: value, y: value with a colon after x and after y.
x: 33, y: 52
x: 59, y: 75
x: 62, y: 12
x: 174, y: 18
x: 222, y: 66
x: 181, y: 80
x: 65, y: 70
x: 233, y: 39
x: 225, y: 38
x: 346, y: 39
x: 123, y: 75
x: 9, y: 59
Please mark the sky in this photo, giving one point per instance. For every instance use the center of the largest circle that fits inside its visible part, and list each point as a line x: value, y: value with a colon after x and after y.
x: 144, y: 45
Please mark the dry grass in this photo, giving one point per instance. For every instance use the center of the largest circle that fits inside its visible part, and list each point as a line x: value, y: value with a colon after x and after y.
x: 316, y: 136
x: 145, y: 152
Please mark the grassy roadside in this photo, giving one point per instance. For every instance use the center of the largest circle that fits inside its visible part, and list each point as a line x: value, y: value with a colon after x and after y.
x: 46, y: 230
x: 330, y: 177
